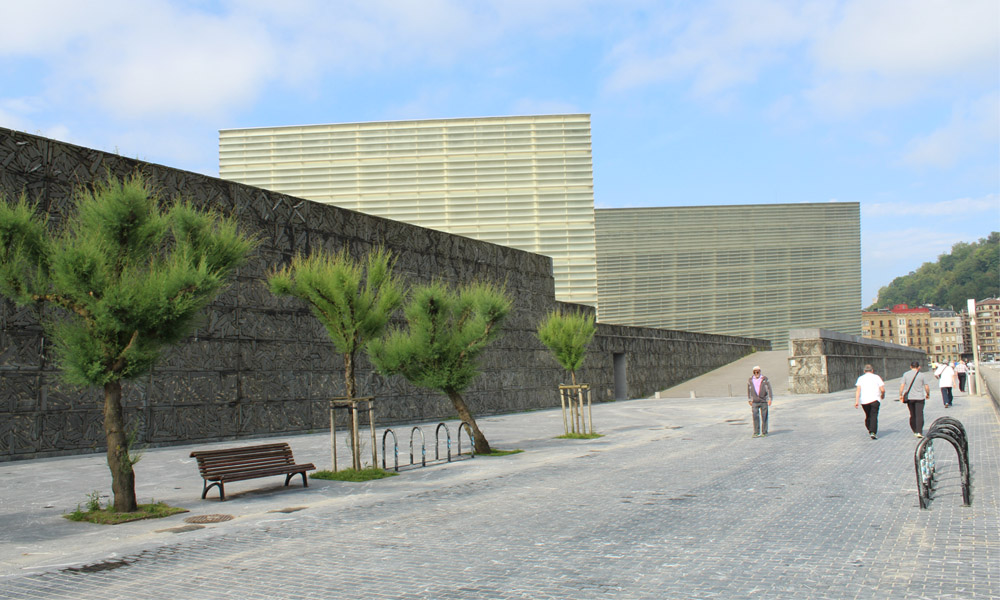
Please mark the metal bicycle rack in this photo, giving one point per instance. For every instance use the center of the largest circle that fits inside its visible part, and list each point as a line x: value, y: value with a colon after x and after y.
x: 952, y: 431
x: 423, y: 446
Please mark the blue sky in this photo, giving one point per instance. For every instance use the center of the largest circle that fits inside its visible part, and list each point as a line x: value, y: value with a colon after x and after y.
x: 891, y: 103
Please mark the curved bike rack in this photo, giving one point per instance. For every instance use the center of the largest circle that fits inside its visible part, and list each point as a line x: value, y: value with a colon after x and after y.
x: 395, y: 449
x: 423, y: 445
x: 437, y: 441
x: 472, y: 439
x: 952, y: 431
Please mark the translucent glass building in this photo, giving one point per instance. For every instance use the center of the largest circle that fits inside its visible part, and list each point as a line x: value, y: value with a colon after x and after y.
x: 524, y: 182
x: 749, y: 270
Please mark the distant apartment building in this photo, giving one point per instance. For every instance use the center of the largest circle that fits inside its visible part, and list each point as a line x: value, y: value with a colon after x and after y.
x: 966, y: 335
x: 937, y: 331
x: 946, y: 335
x: 988, y: 329
x: 522, y: 181
x: 752, y: 270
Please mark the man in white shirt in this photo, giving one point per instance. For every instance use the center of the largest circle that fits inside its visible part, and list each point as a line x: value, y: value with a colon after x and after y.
x: 946, y: 380
x: 868, y: 391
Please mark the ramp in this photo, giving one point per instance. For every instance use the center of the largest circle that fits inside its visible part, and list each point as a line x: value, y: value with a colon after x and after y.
x: 717, y: 383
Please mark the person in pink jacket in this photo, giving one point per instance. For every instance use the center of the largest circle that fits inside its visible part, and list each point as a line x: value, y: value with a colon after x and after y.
x: 759, y: 396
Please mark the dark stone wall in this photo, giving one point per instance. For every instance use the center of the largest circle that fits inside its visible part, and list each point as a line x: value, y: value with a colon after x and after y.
x: 822, y: 361
x: 260, y: 365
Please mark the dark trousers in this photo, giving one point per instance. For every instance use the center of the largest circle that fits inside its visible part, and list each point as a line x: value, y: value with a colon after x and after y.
x: 759, y: 410
x: 961, y: 381
x: 946, y: 396
x: 916, y: 415
x: 871, y: 416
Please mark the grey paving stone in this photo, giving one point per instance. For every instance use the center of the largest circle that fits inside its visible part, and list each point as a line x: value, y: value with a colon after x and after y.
x: 674, y: 502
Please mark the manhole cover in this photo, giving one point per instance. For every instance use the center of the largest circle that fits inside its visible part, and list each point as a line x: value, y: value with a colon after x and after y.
x: 208, y: 518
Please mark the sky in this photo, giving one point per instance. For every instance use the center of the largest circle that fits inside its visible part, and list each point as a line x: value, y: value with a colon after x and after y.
x: 894, y: 104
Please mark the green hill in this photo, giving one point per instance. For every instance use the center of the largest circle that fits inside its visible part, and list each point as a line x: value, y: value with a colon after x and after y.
x: 969, y: 271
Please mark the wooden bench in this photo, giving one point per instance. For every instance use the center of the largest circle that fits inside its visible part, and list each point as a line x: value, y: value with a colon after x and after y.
x: 248, y: 462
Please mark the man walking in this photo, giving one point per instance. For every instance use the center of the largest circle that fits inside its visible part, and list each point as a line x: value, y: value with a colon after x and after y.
x: 946, y: 380
x: 962, y: 370
x: 759, y: 397
x: 868, y: 391
x: 914, y: 390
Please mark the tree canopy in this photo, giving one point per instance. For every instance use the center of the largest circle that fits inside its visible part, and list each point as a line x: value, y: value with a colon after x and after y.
x: 353, y: 299
x: 968, y: 271
x: 567, y: 336
x: 130, y: 278
x: 447, y: 330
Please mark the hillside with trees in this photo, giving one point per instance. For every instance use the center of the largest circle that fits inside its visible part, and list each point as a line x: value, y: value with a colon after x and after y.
x: 969, y: 271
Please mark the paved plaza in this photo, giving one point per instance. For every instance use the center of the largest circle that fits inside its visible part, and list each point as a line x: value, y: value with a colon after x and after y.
x: 675, y: 501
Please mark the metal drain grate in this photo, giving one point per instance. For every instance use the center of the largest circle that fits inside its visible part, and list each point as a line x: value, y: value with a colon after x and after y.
x: 208, y: 518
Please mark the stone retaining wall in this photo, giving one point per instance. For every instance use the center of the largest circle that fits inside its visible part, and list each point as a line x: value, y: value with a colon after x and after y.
x: 990, y: 377
x: 822, y: 361
x: 261, y: 365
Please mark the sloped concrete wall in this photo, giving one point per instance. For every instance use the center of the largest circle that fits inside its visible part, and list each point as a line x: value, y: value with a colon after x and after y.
x: 822, y: 361
x: 261, y: 365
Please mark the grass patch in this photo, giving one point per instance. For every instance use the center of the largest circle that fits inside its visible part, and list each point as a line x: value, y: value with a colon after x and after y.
x: 353, y: 475
x: 107, y: 516
x: 502, y: 452
x: 579, y: 436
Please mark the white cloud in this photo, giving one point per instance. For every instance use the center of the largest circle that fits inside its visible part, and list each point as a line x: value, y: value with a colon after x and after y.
x: 11, y: 117
x: 885, y: 53
x: 957, y: 209
x: 142, y: 58
x: 844, y: 58
x: 910, y: 246
x: 48, y: 27
x: 720, y: 46
x: 899, y: 38
x: 972, y: 127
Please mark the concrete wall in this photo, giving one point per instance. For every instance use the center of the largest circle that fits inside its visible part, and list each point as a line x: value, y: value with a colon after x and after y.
x: 822, y: 361
x: 261, y: 365
x: 991, y: 383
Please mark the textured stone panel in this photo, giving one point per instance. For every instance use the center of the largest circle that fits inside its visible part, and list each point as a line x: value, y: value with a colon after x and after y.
x: 20, y: 433
x: 75, y: 429
x: 20, y: 350
x: 260, y: 364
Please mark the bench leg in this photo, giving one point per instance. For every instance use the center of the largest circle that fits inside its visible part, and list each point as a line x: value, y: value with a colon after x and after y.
x: 288, y: 478
x: 206, y: 487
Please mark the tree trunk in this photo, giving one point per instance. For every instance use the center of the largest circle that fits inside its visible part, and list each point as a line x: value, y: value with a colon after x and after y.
x: 122, y: 475
x: 349, y: 383
x: 351, y: 387
x: 481, y: 444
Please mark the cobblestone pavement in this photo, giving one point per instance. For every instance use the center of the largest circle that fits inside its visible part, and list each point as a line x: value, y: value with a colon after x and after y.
x: 675, y: 501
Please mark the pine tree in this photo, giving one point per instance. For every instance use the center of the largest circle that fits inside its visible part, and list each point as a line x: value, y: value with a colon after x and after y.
x: 354, y: 300
x: 447, y: 331
x: 567, y: 336
x: 128, y: 278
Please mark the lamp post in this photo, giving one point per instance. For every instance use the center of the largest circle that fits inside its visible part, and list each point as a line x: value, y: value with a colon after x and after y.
x: 977, y: 381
